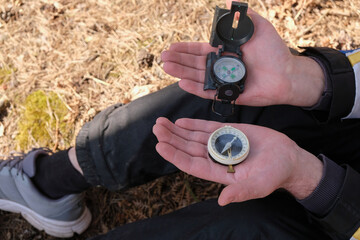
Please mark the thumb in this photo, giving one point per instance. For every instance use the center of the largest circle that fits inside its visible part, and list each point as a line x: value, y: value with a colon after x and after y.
x: 228, y: 3
x: 243, y: 191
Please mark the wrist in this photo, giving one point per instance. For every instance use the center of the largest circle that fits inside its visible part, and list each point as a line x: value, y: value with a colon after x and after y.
x: 307, y: 81
x: 306, y: 175
x: 322, y: 199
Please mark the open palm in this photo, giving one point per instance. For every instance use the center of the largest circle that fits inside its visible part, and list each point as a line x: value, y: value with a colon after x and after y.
x: 271, y: 164
x: 274, y: 75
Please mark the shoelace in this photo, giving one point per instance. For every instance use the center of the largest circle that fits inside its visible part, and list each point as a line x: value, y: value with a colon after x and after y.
x: 15, y: 160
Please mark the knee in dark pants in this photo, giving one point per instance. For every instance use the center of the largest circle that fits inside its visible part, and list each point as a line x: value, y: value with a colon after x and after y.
x: 275, y: 217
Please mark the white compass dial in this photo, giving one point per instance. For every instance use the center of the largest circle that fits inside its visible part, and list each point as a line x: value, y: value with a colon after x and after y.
x: 229, y: 69
x: 228, y: 146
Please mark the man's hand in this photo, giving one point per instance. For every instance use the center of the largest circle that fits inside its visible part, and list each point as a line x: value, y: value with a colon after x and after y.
x: 274, y: 161
x: 274, y: 75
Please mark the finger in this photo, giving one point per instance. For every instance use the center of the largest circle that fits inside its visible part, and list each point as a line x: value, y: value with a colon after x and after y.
x: 256, y: 18
x: 192, y: 148
x: 195, y: 48
x: 185, y: 59
x: 190, y: 142
x: 251, y: 11
x: 228, y: 3
x: 252, y: 132
x: 198, y: 125
x: 194, y: 136
x: 210, y: 126
x: 181, y: 71
x: 196, y: 88
x: 197, y: 166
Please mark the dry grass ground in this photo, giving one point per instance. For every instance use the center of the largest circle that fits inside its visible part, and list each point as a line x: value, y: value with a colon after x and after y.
x: 93, y: 54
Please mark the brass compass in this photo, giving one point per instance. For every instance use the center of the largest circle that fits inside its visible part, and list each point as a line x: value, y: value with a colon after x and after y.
x: 228, y: 146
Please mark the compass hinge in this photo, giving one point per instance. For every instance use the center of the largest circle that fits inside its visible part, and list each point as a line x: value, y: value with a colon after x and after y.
x: 223, y: 49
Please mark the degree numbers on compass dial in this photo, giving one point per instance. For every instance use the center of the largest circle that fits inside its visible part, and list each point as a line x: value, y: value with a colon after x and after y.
x: 229, y: 69
x: 228, y: 146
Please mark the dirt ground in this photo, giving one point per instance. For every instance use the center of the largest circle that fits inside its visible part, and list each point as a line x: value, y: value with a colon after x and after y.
x: 93, y: 54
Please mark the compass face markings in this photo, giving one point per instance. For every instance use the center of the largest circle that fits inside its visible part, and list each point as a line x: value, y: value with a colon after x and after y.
x: 228, y: 146
x: 229, y: 69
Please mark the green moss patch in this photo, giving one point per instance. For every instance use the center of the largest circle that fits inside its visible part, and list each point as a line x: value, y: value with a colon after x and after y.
x: 5, y: 74
x: 42, y: 121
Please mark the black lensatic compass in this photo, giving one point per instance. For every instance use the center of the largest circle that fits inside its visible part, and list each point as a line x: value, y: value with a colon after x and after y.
x: 228, y: 146
x: 226, y: 73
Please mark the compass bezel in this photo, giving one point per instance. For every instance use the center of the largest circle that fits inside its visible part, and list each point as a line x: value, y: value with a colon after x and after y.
x: 216, y: 156
x: 220, y: 80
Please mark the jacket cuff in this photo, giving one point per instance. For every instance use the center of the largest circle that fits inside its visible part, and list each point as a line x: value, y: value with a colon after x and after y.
x: 344, y: 217
x: 326, y: 193
x: 342, y: 80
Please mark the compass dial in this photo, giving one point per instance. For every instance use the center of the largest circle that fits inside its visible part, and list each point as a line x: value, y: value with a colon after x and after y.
x: 228, y: 146
x: 229, y: 69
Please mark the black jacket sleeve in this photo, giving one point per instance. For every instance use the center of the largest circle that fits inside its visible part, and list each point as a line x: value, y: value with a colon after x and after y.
x: 343, y: 218
x: 340, y: 92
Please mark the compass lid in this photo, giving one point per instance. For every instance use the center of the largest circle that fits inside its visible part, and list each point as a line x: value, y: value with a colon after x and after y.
x: 223, y: 31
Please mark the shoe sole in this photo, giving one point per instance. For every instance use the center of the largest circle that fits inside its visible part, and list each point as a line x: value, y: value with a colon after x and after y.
x: 52, y: 227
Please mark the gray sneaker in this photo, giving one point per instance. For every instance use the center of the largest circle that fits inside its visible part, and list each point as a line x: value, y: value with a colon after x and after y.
x: 60, y: 218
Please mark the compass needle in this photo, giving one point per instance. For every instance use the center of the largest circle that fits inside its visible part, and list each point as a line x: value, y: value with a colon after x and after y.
x: 228, y: 146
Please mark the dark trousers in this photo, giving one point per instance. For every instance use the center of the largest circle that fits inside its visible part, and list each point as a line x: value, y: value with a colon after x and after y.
x: 116, y: 150
x: 275, y: 217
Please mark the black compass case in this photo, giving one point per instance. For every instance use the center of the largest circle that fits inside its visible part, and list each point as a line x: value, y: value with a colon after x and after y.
x: 230, y: 39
